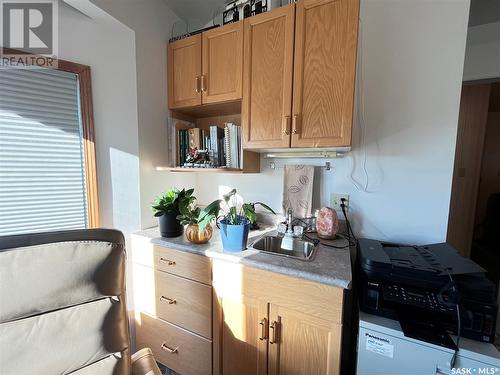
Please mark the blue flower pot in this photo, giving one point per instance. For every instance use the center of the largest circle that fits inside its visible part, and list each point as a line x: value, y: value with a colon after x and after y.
x: 234, y: 237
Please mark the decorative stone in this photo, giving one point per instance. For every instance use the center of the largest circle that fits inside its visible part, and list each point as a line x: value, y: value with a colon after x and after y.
x: 327, y: 223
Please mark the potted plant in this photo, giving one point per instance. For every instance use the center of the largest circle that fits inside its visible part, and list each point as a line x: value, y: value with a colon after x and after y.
x: 191, y: 217
x: 235, y: 223
x: 168, y: 206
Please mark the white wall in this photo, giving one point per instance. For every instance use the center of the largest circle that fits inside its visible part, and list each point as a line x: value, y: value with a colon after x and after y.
x: 152, y: 23
x: 410, y: 89
x: 412, y: 55
x: 108, y: 47
x: 482, y: 56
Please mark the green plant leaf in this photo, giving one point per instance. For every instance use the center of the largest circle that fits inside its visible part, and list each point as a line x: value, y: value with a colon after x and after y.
x: 212, y: 209
x: 265, y: 206
x: 249, y: 212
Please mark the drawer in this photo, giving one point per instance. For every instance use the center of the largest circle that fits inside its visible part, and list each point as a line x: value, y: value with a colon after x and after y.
x: 191, y: 266
x: 178, y: 349
x: 183, y: 302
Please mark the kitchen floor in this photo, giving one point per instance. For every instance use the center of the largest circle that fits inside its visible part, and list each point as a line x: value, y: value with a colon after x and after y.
x: 166, y: 371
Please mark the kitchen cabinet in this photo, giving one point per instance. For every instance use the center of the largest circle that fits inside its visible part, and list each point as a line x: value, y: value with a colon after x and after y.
x: 302, y: 344
x: 275, y: 324
x: 267, y: 79
x: 184, y: 72
x: 206, y: 68
x: 172, y: 296
x: 324, y: 72
x: 244, y: 336
x: 202, y: 315
x: 222, y: 63
x: 320, y: 77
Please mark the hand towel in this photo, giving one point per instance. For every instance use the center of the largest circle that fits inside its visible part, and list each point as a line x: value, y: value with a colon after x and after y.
x: 298, y: 189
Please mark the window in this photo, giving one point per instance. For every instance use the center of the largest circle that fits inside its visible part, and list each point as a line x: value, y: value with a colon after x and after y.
x: 47, y: 162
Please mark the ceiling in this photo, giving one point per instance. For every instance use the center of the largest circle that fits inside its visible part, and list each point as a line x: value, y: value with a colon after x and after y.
x: 484, y: 11
x: 197, y: 13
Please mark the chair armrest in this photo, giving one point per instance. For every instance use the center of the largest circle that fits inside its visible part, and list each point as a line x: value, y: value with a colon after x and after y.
x: 143, y: 363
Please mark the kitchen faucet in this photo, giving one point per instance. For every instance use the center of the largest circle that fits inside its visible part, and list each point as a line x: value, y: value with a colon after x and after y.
x: 289, y: 221
x: 287, y: 241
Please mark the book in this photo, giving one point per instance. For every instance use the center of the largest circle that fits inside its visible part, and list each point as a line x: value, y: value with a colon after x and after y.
x: 232, y: 145
x: 227, y: 145
x: 195, y: 138
x: 216, y: 134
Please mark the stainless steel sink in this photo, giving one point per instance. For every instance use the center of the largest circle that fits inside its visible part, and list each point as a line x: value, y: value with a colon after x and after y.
x: 300, y: 249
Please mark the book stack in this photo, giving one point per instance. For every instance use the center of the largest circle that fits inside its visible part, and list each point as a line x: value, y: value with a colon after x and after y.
x: 222, y: 144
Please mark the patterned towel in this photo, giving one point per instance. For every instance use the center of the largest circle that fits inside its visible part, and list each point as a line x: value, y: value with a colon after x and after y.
x: 298, y: 189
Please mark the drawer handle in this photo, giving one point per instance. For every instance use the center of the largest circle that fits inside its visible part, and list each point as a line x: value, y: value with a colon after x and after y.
x: 198, y: 90
x: 274, y: 327
x: 167, y: 262
x: 295, y: 120
x: 203, y: 83
x: 170, y: 301
x: 263, y: 327
x: 167, y: 349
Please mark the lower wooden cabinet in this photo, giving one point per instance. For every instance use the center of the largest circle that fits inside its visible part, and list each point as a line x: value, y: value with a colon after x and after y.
x: 275, y: 324
x: 244, y: 336
x: 302, y: 344
x: 177, y: 348
x: 242, y: 321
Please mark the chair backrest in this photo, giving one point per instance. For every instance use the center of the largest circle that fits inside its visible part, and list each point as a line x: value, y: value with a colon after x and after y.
x: 62, y: 303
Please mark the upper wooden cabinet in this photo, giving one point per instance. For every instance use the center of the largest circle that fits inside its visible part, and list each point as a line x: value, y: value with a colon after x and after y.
x: 267, y: 79
x: 184, y: 72
x: 326, y: 33
x: 206, y: 68
x: 222, y: 63
x: 294, y: 67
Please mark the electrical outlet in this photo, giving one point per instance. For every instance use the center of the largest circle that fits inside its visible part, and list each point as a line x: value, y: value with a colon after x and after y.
x: 335, y: 200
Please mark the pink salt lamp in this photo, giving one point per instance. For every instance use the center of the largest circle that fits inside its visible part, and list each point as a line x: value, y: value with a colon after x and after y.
x: 327, y: 223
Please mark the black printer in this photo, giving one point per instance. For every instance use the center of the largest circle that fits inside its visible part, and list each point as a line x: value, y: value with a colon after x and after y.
x: 427, y: 288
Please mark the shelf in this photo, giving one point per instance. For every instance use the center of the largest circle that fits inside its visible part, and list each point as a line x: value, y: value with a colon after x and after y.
x: 205, y: 170
x: 209, y: 110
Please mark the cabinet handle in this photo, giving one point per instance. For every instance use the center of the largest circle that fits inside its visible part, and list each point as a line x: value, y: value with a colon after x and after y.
x: 286, y: 122
x: 263, y: 327
x: 170, y: 350
x: 203, y: 82
x: 273, y: 337
x: 198, y: 82
x: 167, y: 262
x: 170, y: 301
x: 294, y: 124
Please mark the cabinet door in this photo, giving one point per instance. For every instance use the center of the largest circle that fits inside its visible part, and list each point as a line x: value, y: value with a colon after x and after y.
x: 244, y: 336
x: 184, y: 72
x: 222, y: 63
x: 324, y: 72
x: 267, y: 79
x: 302, y: 344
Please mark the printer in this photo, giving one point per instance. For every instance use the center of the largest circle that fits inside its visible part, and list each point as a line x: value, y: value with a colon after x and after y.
x: 431, y: 290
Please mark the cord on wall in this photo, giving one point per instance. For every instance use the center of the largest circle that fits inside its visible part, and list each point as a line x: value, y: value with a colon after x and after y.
x: 361, y: 117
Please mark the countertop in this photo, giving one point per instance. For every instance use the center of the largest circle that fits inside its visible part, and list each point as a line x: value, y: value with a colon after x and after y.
x: 328, y: 266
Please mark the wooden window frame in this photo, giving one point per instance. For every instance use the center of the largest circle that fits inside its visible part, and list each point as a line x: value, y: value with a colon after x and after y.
x: 88, y: 139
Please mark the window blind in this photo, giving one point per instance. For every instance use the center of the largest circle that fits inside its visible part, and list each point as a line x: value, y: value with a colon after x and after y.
x: 42, y: 180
